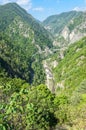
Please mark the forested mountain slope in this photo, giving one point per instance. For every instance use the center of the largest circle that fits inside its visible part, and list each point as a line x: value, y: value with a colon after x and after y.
x: 12, y: 16
x: 71, y: 70
x: 70, y: 78
x: 66, y: 27
x: 21, y: 36
x: 26, y: 47
x: 34, y: 107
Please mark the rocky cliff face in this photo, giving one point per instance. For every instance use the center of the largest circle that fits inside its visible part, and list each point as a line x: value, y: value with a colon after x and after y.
x: 79, y: 31
x: 66, y: 27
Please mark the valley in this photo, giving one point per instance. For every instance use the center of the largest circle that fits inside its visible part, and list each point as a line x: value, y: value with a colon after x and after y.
x: 42, y: 70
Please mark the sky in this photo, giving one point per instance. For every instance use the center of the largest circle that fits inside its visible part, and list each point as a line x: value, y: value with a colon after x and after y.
x: 41, y: 9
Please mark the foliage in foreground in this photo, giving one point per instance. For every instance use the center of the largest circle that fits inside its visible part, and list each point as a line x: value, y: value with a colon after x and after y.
x: 25, y: 107
x: 36, y: 108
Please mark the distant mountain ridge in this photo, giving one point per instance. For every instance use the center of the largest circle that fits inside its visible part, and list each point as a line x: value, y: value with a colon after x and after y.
x: 12, y: 11
x: 66, y: 27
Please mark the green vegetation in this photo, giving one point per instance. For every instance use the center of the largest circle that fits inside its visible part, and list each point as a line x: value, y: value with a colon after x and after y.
x: 17, y: 60
x: 67, y: 27
x: 12, y: 13
x: 71, y: 99
x: 76, y: 22
x: 25, y: 107
x: 25, y: 102
x: 58, y: 22
x: 72, y: 68
x: 19, y: 35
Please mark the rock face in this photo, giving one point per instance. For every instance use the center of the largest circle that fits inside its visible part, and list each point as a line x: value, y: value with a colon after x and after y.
x: 65, y: 33
x: 67, y: 27
x: 49, y: 77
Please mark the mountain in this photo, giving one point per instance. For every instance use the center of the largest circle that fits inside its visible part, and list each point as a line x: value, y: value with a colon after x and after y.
x: 70, y: 81
x: 28, y: 60
x: 66, y: 27
x: 25, y: 107
x: 70, y: 72
x: 22, y: 40
x: 14, y: 14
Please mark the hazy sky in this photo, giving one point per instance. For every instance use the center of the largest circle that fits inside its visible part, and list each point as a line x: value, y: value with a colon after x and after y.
x: 41, y: 9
